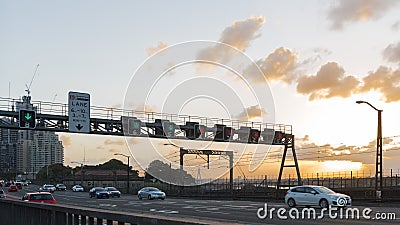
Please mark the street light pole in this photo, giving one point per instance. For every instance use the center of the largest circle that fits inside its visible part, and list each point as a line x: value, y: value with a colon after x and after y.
x: 379, y: 143
x: 127, y: 184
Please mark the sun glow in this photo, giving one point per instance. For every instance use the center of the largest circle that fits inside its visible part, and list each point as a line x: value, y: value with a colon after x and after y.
x: 341, y: 165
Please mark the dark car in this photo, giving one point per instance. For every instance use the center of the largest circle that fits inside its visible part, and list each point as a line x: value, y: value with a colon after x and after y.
x: 113, y: 192
x: 42, y: 197
x: 61, y: 187
x: 2, y: 194
x: 98, y: 192
x: 19, y: 185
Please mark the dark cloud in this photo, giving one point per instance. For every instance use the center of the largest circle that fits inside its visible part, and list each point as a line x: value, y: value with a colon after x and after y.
x: 392, y: 53
x: 396, y: 26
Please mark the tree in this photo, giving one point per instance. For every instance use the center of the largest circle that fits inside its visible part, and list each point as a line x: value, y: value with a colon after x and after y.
x: 163, y: 172
x: 54, y: 173
x: 113, y: 165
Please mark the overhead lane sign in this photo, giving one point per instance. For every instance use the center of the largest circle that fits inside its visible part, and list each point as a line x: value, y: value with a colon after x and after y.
x: 78, y: 112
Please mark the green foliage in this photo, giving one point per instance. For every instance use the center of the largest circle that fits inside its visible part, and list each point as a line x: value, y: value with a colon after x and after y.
x: 163, y: 172
x: 54, y: 173
x: 113, y: 164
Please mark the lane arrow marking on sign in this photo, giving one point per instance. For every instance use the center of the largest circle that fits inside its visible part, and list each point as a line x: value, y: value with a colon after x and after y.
x: 28, y: 116
x: 79, y: 126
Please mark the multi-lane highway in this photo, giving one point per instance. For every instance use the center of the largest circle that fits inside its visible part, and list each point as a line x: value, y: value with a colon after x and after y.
x: 244, y: 212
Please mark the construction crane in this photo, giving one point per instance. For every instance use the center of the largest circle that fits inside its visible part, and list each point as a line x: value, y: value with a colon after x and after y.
x: 28, y: 88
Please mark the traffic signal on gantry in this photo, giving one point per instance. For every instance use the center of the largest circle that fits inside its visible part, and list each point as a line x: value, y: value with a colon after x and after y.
x: 27, y: 119
x: 134, y: 126
x: 193, y: 130
x: 222, y: 132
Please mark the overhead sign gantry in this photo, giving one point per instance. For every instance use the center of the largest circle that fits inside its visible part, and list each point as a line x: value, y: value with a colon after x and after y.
x: 80, y: 117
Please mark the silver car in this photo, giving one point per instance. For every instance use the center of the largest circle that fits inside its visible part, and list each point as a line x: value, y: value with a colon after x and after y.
x: 315, y: 196
x: 151, y: 193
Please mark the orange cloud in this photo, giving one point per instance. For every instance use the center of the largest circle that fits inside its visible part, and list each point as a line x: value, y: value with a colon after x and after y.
x: 330, y: 81
x: 384, y: 80
x: 279, y: 65
x: 358, y: 10
x: 66, y: 140
x: 113, y: 150
x: 114, y: 142
x: 238, y: 35
x: 152, y: 50
x: 251, y: 112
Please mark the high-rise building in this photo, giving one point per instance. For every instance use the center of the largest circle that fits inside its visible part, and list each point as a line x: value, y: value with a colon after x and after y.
x: 8, y: 148
x: 28, y: 150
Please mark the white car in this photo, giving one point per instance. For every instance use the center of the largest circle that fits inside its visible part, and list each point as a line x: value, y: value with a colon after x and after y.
x: 315, y: 196
x: 48, y: 187
x: 77, y: 188
x: 151, y: 193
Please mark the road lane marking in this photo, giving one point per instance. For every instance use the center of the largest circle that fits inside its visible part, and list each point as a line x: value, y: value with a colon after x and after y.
x: 164, y: 211
x: 239, y: 206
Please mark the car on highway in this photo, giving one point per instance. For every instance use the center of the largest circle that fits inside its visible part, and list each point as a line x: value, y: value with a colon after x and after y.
x: 48, y: 188
x: 2, y: 194
x: 311, y: 195
x: 113, y: 192
x: 61, y: 187
x: 151, y: 193
x: 98, y: 192
x: 42, y: 197
x: 18, y: 184
x: 77, y: 188
x: 12, y: 188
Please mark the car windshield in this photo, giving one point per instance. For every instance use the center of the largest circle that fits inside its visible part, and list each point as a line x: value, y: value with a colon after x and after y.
x: 61, y: 185
x: 48, y: 186
x: 153, y: 189
x: 78, y: 186
x: 325, y: 190
x: 111, y: 189
x: 41, y: 197
x: 99, y: 189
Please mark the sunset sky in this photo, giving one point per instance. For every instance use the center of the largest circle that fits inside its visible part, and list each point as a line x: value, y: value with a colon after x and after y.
x: 318, y: 57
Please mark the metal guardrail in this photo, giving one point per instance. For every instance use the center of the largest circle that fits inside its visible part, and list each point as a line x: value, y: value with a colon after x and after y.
x: 15, y: 212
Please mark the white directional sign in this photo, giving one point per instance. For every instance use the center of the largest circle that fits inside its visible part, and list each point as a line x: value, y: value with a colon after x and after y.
x: 78, y: 112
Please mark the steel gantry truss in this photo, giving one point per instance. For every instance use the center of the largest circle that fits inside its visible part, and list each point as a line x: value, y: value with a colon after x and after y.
x: 184, y: 151
x: 110, y: 121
